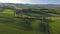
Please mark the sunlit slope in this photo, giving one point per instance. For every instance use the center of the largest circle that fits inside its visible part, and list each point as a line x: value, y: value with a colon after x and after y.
x: 55, y: 26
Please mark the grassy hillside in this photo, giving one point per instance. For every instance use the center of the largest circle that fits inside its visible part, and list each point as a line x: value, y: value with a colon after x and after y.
x: 12, y: 25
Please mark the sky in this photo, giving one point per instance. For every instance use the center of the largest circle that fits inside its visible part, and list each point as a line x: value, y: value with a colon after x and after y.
x: 31, y: 1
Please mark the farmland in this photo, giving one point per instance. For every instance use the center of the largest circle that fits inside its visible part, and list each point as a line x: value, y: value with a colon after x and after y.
x: 9, y: 24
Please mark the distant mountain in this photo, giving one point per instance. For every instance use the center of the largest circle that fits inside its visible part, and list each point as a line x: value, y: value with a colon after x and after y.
x: 28, y: 5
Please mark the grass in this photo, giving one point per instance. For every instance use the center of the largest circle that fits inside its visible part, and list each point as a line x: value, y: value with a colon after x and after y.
x: 11, y: 25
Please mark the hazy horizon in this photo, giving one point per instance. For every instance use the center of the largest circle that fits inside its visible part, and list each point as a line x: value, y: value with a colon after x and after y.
x: 31, y: 1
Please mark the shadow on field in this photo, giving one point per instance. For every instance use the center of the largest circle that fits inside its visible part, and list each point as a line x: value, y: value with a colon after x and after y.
x: 44, y: 26
x: 5, y: 19
x: 26, y: 24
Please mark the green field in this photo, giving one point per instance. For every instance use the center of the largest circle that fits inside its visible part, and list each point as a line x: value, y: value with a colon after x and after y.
x: 12, y: 25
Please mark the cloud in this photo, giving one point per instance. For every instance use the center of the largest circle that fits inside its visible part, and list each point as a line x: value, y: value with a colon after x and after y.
x: 8, y: 1
x: 31, y: 1
x: 15, y: 1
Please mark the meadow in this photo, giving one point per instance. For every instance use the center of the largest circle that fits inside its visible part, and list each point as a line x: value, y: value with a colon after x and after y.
x: 9, y: 24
